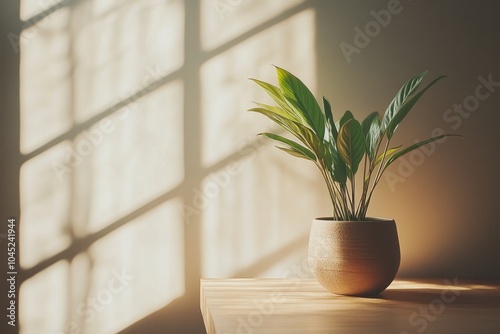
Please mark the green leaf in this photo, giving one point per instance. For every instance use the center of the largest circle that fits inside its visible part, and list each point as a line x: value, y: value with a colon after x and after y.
x: 278, y: 118
x: 302, y: 99
x: 371, y: 130
x: 351, y: 144
x: 327, y: 156
x: 295, y: 153
x: 328, y: 110
x: 347, y: 116
x: 410, y: 148
x: 404, y: 92
x: 387, y: 154
x: 334, y: 164
x: 406, y: 107
x: 297, y: 148
x: 301, y: 132
x: 277, y: 95
x: 272, y: 90
x: 329, y: 118
x: 339, y: 168
x: 367, y: 122
x: 278, y: 111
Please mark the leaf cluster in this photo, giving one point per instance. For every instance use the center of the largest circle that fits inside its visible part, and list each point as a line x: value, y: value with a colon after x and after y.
x: 341, y: 149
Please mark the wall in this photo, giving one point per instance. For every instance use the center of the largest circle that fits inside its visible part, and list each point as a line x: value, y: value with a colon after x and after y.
x: 445, y: 202
x: 179, y: 187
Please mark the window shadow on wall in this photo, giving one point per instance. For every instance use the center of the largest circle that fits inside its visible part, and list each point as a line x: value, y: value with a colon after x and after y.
x: 181, y: 314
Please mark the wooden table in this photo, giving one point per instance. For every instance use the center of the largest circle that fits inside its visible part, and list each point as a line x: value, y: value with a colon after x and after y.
x: 261, y: 306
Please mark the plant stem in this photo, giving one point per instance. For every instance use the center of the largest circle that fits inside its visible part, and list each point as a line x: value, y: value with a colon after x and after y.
x: 353, y: 196
x: 366, y: 182
x: 377, y: 176
x: 331, y: 188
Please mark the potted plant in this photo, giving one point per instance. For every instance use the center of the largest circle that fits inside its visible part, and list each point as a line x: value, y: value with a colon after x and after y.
x: 349, y: 253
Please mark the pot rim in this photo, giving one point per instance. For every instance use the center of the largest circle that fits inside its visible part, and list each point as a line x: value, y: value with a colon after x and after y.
x: 368, y: 220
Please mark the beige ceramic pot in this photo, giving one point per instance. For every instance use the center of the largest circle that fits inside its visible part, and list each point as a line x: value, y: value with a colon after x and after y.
x: 358, y: 258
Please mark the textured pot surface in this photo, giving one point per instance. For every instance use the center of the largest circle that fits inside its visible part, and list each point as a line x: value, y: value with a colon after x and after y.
x: 358, y: 258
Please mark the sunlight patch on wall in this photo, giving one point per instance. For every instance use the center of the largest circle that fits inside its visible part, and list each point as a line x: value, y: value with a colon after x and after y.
x: 272, y: 200
x: 149, y: 250
x: 45, y: 208
x: 122, y: 51
x: 76, y: 63
x: 224, y: 20
x: 135, y: 162
x: 81, y: 60
x: 108, y: 171
x: 43, y: 300
x: 131, y: 273
x: 227, y: 94
x: 45, y: 76
x: 241, y: 241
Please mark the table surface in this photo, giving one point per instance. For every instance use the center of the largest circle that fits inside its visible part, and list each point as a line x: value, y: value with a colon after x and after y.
x: 261, y: 306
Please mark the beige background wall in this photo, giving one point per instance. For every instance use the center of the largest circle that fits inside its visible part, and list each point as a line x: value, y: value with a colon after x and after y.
x: 180, y: 188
